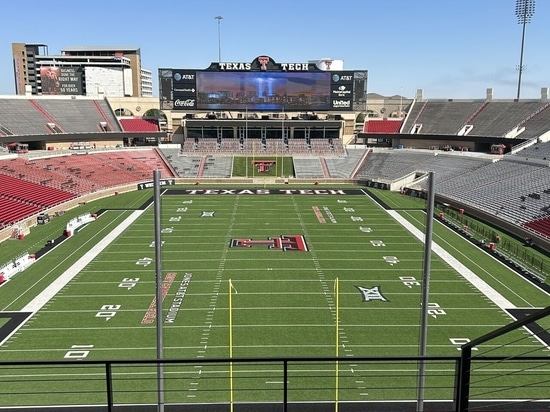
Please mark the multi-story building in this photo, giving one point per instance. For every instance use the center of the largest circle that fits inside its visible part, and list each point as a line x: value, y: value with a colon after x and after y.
x: 88, y: 71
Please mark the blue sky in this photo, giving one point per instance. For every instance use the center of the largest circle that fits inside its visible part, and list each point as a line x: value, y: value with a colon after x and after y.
x: 450, y: 49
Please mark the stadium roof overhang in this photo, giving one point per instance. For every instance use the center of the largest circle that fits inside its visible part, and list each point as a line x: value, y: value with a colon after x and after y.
x: 263, y: 123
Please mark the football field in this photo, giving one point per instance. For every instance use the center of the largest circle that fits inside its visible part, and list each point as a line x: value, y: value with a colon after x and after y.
x: 258, y: 273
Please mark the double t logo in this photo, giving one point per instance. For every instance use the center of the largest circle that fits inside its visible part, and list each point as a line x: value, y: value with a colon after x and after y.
x: 284, y: 242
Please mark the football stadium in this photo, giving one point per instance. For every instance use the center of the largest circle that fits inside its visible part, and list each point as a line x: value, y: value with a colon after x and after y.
x: 269, y: 236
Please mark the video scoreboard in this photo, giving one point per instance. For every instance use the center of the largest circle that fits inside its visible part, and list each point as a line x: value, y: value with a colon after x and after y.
x: 263, y: 85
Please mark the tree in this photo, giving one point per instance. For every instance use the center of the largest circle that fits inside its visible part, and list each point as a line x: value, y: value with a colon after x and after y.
x: 155, y: 113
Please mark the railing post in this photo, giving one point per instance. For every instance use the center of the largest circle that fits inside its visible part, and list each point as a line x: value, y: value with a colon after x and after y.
x: 109, y: 382
x: 463, y: 382
x: 285, y: 385
x: 462, y: 390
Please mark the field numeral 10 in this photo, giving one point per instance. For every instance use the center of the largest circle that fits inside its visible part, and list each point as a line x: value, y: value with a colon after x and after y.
x: 77, y: 352
x: 128, y: 283
x: 107, y: 311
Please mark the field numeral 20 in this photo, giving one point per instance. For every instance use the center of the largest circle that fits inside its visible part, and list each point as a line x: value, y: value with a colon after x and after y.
x: 128, y: 283
x: 107, y: 311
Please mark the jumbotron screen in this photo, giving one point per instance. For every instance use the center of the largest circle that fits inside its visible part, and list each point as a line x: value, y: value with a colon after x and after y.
x: 262, y: 85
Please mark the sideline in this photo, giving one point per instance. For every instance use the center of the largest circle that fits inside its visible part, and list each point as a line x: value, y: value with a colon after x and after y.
x: 470, y: 276
x: 55, y: 287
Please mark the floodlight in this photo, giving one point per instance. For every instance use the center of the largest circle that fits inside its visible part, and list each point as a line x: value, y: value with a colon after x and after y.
x: 525, y: 9
x: 219, y: 18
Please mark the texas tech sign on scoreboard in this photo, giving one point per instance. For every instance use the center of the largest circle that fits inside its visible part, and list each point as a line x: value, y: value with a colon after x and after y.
x: 263, y: 84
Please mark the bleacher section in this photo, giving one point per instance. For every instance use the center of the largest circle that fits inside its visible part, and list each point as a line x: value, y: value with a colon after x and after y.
x: 540, y: 151
x: 139, y: 124
x: 541, y: 226
x: 83, y: 173
x: 488, y: 118
x: 12, y: 211
x: 211, y: 146
x: 343, y: 167
x: 393, y: 164
x: 21, y: 117
x: 29, y: 186
x: 31, y: 117
x: 441, y: 117
x: 79, y: 115
x: 47, y: 172
x: 185, y: 166
x: 217, y: 167
x: 307, y: 168
x: 21, y: 198
x: 512, y: 190
x: 382, y: 126
x: 498, y: 118
x: 537, y: 124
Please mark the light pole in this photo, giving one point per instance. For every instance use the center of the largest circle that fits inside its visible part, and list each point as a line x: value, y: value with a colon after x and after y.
x: 524, y: 11
x: 219, y: 18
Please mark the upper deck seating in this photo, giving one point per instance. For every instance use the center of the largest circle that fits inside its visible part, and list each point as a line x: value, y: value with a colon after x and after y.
x: 32, y: 116
x: 78, y: 115
x: 21, y: 118
x: 440, y: 117
x: 382, y: 126
x: 139, y: 124
x: 498, y: 118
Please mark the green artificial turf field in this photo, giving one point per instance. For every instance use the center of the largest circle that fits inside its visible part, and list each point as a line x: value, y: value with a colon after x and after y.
x: 313, y: 273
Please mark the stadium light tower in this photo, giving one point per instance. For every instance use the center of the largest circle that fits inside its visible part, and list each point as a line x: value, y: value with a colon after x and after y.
x: 524, y: 11
x: 219, y: 18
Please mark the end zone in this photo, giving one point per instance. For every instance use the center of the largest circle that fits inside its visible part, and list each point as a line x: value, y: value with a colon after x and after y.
x: 16, y: 319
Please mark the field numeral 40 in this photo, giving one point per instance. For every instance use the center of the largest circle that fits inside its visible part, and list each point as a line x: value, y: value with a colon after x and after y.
x: 409, y: 281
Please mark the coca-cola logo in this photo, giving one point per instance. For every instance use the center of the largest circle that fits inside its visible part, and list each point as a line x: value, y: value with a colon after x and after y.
x: 184, y: 103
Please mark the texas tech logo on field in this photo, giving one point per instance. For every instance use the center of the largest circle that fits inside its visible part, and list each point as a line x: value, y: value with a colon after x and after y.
x: 283, y: 242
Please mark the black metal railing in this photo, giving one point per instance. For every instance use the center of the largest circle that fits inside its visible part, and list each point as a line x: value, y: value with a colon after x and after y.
x: 471, y: 380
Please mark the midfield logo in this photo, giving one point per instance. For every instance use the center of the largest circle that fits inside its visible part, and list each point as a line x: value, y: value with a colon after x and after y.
x: 285, y: 242
x: 370, y: 294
